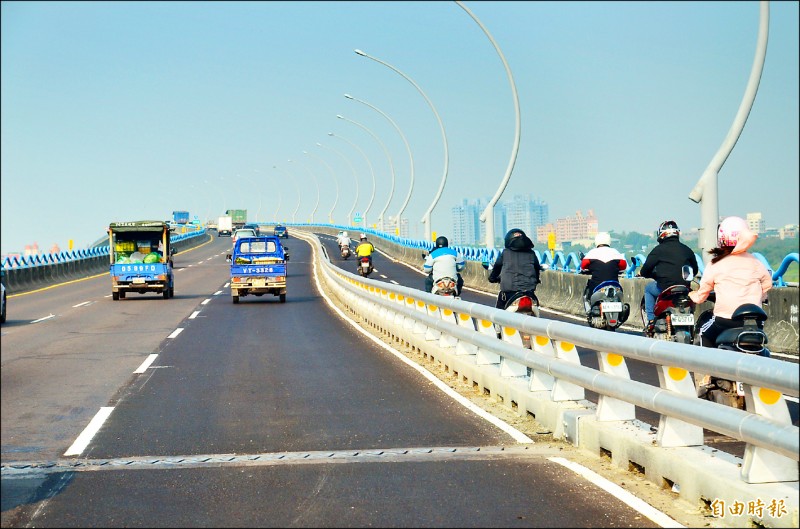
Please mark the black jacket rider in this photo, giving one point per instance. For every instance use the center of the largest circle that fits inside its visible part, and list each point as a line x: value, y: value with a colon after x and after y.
x: 517, y: 268
x: 665, y: 261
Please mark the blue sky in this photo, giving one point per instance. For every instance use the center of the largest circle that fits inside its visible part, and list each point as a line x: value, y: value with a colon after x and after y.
x: 129, y: 110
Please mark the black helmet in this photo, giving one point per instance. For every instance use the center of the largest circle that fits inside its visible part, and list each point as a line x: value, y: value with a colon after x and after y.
x: 517, y: 240
x: 441, y: 242
x: 668, y: 228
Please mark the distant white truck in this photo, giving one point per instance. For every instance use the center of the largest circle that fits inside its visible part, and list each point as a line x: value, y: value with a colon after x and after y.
x: 225, y: 226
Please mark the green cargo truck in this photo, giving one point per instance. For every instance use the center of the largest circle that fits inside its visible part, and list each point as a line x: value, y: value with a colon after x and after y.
x: 238, y: 216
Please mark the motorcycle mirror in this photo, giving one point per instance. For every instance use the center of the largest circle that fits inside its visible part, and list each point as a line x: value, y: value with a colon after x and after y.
x: 687, y: 272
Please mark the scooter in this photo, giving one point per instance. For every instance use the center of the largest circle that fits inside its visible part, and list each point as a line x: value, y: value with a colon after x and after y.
x: 605, y: 309
x: 445, y: 286
x: 674, y: 313
x: 364, y: 266
x: 749, y: 338
x: 523, y: 302
x: 345, y: 250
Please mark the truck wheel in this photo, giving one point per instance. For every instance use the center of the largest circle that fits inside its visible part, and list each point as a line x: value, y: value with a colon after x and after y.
x: 283, y: 298
x: 115, y: 296
x: 235, y: 299
x: 122, y: 295
x: 165, y: 293
x: 172, y: 292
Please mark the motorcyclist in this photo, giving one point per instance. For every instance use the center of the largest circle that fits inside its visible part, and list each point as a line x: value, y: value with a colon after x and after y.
x: 517, y: 268
x: 343, y: 239
x: 735, y: 276
x: 604, y: 263
x: 365, y: 248
x: 664, y: 264
x: 443, y: 261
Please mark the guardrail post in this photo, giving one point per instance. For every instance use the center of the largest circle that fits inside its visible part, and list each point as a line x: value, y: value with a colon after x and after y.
x: 485, y: 357
x: 431, y: 333
x: 608, y: 408
x: 674, y: 432
x: 462, y: 347
x: 541, y: 381
x: 419, y: 326
x: 508, y: 367
x: 563, y: 390
x: 762, y: 465
x: 447, y: 341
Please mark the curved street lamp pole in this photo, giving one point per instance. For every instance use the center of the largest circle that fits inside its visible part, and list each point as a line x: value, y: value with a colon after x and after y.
x: 335, y: 182
x: 426, y: 218
x: 371, y: 170
x: 355, y: 176
x: 410, y: 159
x: 316, y: 183
x: 488, y: 214
x: 298, y: 195
x: 280, y: 196
x: 391, y: 167
x: 706, y: 190
x: 256, y: 189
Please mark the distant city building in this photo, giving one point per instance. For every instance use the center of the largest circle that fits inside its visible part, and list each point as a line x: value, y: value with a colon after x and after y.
x: 523, y: 212
x: 466, y: 223
x: 391, y: 224
x: 788, y: 232
x: 756, y: 222
x: 569, y: 229
x: 526, y: 213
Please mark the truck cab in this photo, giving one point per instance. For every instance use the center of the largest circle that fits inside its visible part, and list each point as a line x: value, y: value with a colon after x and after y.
x: 140, y: 254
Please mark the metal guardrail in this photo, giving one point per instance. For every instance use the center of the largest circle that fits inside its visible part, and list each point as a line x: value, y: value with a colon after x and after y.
x: 465, y: 332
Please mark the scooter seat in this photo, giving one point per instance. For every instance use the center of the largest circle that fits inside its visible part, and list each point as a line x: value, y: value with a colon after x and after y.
x: 749, y: 311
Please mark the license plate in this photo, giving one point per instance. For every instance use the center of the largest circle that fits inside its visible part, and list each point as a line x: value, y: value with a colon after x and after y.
x: 683, y: 319
x: 611, y: 306
x: 740, y: 389
x: 259, y: 282
x: 138, y: 280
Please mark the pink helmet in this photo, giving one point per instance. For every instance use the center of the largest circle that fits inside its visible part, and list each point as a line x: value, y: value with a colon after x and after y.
x: 734, y: 232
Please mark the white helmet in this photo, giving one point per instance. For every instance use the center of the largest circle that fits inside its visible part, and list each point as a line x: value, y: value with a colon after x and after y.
x: 602, y: 238
x: 363, y: 236
x: 344, y: 234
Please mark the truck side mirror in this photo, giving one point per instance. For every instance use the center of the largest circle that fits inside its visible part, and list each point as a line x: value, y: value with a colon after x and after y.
x: 173, y: 251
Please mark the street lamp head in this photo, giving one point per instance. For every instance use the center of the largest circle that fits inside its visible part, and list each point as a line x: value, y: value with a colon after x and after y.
x: 359, y: 52
x: 305, y: 152
x: 330, y: 134
x: 339, y: 116
x: 348, y: 96
x: 318, y: 143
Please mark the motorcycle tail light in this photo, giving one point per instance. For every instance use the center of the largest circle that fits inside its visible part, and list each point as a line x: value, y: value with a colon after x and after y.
x: 525, y: 303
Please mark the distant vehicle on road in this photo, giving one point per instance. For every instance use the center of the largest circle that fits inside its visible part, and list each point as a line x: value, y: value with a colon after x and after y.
x: 253, y: 226
x: 258, y: 267
x: 225, y: 226
x: 280, y: 231
x: 141, y: 258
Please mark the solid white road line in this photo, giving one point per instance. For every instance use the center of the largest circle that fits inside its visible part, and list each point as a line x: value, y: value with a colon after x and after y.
x: 623, y: 495
x: 86, y: 435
